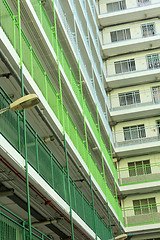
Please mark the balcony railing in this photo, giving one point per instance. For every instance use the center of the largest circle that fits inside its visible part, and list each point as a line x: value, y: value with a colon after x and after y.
x: 135, y: 65
x: 139, y: 174
x: 13, y: 227
x: 131, y: 40
x: 120, y: 6
x: 137, y: 135
x: 144, y: 215
x: 134, y: 100
x: 46, y: 165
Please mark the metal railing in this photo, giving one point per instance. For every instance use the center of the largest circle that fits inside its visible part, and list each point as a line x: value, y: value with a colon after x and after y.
x: 146, y: 214
x: 128, y: 100
x: 42, y: 80
x: 137, y: 135
x: 130, y: 40
x: 139, y: 174
x: 142, y: 64
x: 148, y: 3
x: 46, y: 164
x: 13, y: 227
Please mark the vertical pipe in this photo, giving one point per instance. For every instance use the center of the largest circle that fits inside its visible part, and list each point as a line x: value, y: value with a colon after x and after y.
x: 69, y: 190
x: 95, y: 228
x: 24, y: 125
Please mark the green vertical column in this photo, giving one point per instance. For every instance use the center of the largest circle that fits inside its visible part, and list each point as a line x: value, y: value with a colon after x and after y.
x: 24, y: 125
x: 95, y: 227
x: 69, y: 189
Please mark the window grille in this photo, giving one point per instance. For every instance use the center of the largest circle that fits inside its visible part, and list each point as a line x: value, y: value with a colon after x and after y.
x: 144, y: 206
x: 156, y: 94
x: 148, y: 30
x: 153, y: 61
x: 125, y: 66
x: 129, y: 98
x: 120, y: 35
x: 116, y: 6
x: 139, y: 168
x: 143, y: 2
x: 134, y: 132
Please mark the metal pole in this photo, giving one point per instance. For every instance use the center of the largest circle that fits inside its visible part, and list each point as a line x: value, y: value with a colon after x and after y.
x: 24, y: 126
x: 69, y: 189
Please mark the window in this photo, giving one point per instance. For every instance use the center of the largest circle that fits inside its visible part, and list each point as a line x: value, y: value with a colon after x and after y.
x: 116, y: 6
x: 153, y: 61
x: 139, y: 168
x: 134, y: 132
x: 125, y: 66
x: 120, y: 35
x: 143, y: 2
x: 129, y: 98
x: 156, y: 94
x: 144, y: 206
x: 148, y: 30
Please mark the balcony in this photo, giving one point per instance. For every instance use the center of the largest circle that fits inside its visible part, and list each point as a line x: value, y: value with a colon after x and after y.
x: 130, y: 45
x: 127, y: 11
x: 137, y: 140
x: 43, y: 161
x: 13, y: 227
x: 146, y: 103
x: 137, y: 69
x: 140, y: 174
x: 144, y: 215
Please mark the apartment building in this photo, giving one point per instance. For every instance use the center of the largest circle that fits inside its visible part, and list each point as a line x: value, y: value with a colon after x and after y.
x: 57, y: 175
x: 130, y: 32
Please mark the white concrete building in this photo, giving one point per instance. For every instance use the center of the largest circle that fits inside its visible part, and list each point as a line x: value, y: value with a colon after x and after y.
x: 130, y: 32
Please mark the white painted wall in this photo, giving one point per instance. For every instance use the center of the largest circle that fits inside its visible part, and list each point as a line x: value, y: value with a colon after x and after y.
x: 149, y: 123
x: 140, y: 61
x: 129, y: 4
x: 128, y: 201
x: 135, y: 30
x: 154, y: 159
x: 145, y: 92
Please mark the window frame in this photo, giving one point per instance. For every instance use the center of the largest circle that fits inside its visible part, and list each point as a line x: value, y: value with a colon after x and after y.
x: 143, y: 1
x: 145, y: 166
x: 121, y: 6
x: 134, y: 95
x: 146, y: 24
x: 149, y: 206
x: 124, y: 34
x: 131, y: 130
x: 153, y: 62
x: 129, y: 63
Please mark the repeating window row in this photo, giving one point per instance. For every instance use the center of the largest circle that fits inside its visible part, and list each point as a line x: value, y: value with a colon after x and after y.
x: 121, y: 5
x: 148, y: 30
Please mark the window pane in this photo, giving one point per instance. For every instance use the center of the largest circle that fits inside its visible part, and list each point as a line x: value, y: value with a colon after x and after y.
x: 115, y: 6
x: 129, y: 98
x: 118, y: 67
x: 139, y: 168
x: 152, y: 205
x: 132, y: 65
x: 131, y: 168
x: 141, y: 131
x: 156, y: 94
x: 127, y: 135
x: 113, y: 36
x: 125, y: 67
x: 120, y: 35
x: 134, y: 132
x: 122, y: 100
x: 137, y: 97
x: 147, y: 167
x: 109, y: 7
x: 128, y: 34
x: 136, y: 205
x: 144, y: 206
